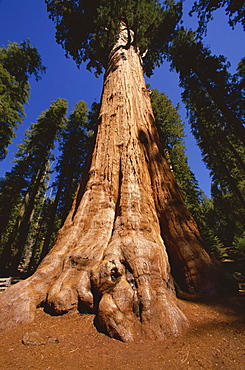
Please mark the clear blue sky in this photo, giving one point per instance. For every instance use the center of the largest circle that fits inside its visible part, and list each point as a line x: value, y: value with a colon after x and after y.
x: 28, y: 19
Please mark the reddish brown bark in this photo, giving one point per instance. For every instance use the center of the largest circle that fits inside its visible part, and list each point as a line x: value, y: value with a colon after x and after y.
x: 110, y: 255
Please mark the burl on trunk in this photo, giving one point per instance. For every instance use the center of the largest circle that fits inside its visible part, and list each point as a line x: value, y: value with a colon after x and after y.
x: 127, y: 223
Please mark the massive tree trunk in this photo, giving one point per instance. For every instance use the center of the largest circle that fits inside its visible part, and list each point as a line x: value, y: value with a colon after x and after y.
x: 127, y: 221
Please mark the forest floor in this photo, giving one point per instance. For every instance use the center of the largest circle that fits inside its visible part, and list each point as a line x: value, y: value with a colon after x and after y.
x: 215, y: 340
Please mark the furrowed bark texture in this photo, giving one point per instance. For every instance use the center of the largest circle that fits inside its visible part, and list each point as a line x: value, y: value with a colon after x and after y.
x: 110, y: 255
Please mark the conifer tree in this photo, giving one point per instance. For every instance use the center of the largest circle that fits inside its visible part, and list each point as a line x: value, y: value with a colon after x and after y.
x: 74, y: 147
x: 17, y: 63
x: 171, y: 132
x: 26, y: 179
x: 210, y: 74
x: 128, y: 219
x: 38, y: 233
x: 229, y: 226
x: 205, y: 9
x: 214, y: 100
x: 215, y: 103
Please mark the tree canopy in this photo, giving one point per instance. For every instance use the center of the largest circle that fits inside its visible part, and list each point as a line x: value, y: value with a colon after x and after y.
x: 87, y: 29
x: 22, y: 60
x: 235, y: 9
x: 214, y: 99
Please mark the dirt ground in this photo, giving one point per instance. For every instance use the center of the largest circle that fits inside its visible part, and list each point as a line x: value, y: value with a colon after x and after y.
x: 215, y: 340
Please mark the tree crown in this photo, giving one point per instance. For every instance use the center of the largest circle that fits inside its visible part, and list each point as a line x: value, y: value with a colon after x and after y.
x: 235, y: 9
x: 87, y: 29
x: 22, y: 60
x: 17, y: 63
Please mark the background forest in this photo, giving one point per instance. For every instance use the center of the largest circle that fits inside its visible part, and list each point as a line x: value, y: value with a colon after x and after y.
x: 37, y: 192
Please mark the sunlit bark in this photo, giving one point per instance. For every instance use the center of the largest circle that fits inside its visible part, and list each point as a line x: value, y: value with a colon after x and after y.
x: 128, y: 219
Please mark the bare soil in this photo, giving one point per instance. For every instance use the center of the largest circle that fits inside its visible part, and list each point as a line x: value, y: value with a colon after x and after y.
x: 215, y: 340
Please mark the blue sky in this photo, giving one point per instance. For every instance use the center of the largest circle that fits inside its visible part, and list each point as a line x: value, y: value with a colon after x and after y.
x: 28, y: 19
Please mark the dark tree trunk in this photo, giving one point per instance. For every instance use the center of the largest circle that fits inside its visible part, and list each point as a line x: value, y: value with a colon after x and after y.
x: 230, y: 116
x: 110, y: 255
x: 9, y: 261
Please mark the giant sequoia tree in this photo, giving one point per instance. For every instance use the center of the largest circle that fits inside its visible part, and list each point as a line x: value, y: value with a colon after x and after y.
x: 128, y: 223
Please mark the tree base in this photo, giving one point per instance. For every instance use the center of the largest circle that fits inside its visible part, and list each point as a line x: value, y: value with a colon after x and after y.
x: 115, y: 316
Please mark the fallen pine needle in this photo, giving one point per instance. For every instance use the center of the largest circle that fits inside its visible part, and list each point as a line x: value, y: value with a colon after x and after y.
x: 73, y: 350
x: 185, y: 359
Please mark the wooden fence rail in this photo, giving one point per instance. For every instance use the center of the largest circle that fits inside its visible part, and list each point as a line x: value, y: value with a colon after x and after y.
x: 6, y: 282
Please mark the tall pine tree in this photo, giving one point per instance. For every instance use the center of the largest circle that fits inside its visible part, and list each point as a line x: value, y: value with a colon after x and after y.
x: 26, y: 180
x: 171, y: 132
x: 17, y: 63
x: 214, y: 100
x: 74, y: 146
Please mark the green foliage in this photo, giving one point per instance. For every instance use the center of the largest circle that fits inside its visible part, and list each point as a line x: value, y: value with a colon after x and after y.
x: 208, y: 222
x: 39, y: 232
x: 215, y: 103
x: 171, y: 131
x: 13, y: 96
x: 22, y: 61
x: 196, y: 65
x: 29, y: 220
x: 229, y: 214
x: 17, y: 63
x: 167, y: 118
x: 87, y: 29
x: 235, y: 9
x: 74, y: 145
x: 241, y: 77
x: 21, y: 188
x: 214, y: 100
x: 40, y: 137
x: 11, y: 191
x: 239, y: 243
